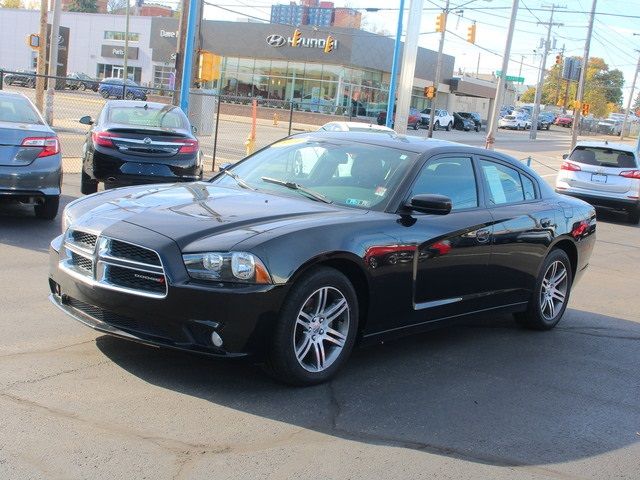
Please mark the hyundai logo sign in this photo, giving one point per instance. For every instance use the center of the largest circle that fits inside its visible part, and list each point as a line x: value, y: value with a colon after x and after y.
x: 276, y: 40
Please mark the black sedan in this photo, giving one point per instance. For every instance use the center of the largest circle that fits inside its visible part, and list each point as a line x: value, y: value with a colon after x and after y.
x: 24, y: 78
x: 136, y: 142
x: 81, y: 81
x: 462, y: 123
x: 320, y: 241
x: 474, y: 117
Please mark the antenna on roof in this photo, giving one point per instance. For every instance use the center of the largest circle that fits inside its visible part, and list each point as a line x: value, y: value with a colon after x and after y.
x: 145, y: 106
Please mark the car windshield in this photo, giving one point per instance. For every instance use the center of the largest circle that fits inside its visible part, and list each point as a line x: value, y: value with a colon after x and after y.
x: 603, y: 157
x: 346, y: 173
x: 167, y: 117
x: 18, y: 110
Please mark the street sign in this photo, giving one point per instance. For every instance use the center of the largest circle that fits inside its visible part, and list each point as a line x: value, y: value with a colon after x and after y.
x: 510, y: 78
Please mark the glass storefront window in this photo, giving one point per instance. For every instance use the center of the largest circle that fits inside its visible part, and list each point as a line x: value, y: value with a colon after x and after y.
x: 279, y: 68
x: 245, y: 65
x: 113, y: 35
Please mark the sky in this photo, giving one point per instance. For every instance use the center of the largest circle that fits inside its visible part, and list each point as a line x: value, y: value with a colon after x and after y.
x: 612, y: 40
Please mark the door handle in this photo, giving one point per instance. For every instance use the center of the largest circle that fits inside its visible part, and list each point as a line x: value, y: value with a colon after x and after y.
x: 483, y: 236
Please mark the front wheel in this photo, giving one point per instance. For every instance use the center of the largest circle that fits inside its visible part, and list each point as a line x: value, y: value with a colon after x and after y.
x: 48, y: 209
x: 82, y: 87
x: 104, y: 93
x: 316, y: 330
x: 551, y: 293
x: 436, y: 126
x: 415, y: 126
x: 634, y: 217
x: 448, y: 129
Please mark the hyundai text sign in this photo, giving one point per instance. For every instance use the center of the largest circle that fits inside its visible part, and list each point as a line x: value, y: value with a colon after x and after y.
x: 277, y: 41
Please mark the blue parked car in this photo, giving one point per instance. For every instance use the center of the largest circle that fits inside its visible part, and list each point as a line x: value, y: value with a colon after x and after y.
x: 113, y: 87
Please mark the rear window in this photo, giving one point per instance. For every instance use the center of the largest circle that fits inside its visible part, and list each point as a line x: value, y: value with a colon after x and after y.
x: 169, y: 117
x: 18, y: 110
x: 603, y: 157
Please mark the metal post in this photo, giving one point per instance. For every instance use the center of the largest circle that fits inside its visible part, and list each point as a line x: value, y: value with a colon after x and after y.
x: 126, y: 50
x: 215, y: 134
x: 478, y: 66
x: 188, y: 57
x: 633, y: 87
x: 1, y: 79
x: 182, y: 30
x: 583, y: 76
x: 53, y: 60
x: 290, y: 116
x: 394, y: 68
x: 436, y: 81
x: 493, y: 119
x: 41, y: 80
x: 408, y: 70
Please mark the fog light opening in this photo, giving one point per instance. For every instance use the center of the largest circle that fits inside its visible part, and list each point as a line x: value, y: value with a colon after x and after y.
x: 216, y: 339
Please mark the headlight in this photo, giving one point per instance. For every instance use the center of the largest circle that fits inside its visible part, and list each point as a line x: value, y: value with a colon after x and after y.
x: 66, y: 219
x: 226, y: 267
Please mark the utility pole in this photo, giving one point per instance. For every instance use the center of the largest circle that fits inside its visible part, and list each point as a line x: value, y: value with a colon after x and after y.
x: 394, y: 68
x: 41, y: 80
x: 182, y: 35
x: 560, y: 75
x: 53, y: 60
x: 633, y: 87
x: 198, y: 35
x: 543, y: 65
x: 521, y: 62
x: 126, y: 48
x: 493, y: 119
x: 478, y: 66
x: 583, y: 76
x: 188, y: 56
x: 436, y: 80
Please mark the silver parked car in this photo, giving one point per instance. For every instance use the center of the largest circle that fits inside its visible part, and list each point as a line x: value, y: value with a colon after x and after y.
x: 603, y: 174
x: 30, y: 159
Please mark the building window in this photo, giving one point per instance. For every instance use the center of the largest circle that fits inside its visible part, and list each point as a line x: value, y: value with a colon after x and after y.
x: 104, y: 70
x: 113, y: 35
x: 163, y: 77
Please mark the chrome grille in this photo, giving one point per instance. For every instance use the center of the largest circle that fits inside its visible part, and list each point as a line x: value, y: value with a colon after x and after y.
x: 114, y: 264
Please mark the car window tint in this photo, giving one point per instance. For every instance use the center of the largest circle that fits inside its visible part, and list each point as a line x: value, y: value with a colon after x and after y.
x: 603, y: 157
x: 168, y: 117
x: 528, y: 188
x: 452, y: 177
x: 503, y: 183
x: 18, y: 110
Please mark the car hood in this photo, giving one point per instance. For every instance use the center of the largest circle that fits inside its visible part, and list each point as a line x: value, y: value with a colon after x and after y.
x: 193, y: 212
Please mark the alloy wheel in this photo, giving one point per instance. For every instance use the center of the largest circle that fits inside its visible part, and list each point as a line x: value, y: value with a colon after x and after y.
x: 554, y: 290
x: 321, y: 329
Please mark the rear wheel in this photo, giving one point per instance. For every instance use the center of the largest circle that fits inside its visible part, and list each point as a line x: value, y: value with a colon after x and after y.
x: 82, y: 87
x: 316, y: 329
x: 448, y: 128
x: 415, y: 126
x: 634, y: 216
x: 48, y: 209
x: 436, y: 126
x: 551, y: 293
x: 104, y: 93
x: 87, y: 184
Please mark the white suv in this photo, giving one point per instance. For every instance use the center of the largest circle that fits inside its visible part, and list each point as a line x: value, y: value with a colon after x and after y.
x: 603, y: 174
x: 442, y: 119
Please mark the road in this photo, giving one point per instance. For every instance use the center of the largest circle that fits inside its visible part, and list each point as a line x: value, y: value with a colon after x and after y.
x: 482, y: 400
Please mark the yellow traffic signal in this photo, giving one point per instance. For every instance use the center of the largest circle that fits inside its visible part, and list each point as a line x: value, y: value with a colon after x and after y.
x: 297, y: 36
x: 576, y: 104
x: 558, y: 59
x: 471, y: 34
x: 429, y: 92
x: 329, y: 44
x: 209, y: 67
x: 440, y: 23
x: 585, y: 109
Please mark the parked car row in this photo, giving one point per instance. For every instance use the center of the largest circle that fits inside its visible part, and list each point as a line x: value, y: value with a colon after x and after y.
x: 443, y: 120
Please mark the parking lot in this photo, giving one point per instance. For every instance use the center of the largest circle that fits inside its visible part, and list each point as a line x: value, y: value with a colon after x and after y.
x: 485, y: 399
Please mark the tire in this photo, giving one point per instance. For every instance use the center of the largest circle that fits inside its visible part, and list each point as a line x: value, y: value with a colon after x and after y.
x: 477, y: 129
x: 48, y: 210
x: 129, y: 96
x: 448, y: 127
x: 104, y: 93
x: 548, y: 127
x: 82, y: 87
x: 415, y: 126
x: 87, y: 184
x: 436, y: 126
x: 9, y: 82
x: 295, y: 358
x: 540, y: 313
x: 634, y: 217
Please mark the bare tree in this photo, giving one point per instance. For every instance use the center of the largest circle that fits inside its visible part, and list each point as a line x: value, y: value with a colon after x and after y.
x: 116, y: 5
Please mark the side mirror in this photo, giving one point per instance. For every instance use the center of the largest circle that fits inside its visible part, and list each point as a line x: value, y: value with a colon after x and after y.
x: 224, y: 166
x: 565, y: 156
x: 194, y: 129
x: 86, y: 120
x: 430, y: 203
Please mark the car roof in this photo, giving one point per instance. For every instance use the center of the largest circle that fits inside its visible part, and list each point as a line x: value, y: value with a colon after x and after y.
x: 5, y: 93
x: 140, y: 103
x: 372, y: 126
x: 604, y: 144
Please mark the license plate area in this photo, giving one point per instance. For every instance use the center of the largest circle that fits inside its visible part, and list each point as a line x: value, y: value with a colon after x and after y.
x: 598, y: 178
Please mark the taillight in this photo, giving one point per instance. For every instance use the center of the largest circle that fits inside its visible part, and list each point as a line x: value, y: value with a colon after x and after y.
x: 631, y: 174
x: 49, y: 145
x: 103, y: 139
x: 572, y: 167
x: 190, y: 146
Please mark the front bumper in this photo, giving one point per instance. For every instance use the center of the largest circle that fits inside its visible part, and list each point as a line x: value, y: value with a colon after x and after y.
x: 42, y: 177
x: 242, y: 315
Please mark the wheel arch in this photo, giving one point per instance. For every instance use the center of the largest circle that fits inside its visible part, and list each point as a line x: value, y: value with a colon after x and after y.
x: 569, y: 247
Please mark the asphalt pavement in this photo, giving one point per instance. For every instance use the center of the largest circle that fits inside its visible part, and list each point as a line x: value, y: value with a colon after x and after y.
x: 482, y: 400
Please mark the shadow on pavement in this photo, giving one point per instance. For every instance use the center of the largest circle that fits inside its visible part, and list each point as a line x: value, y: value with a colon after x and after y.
x: 19, y: 227
x: 488, y: 392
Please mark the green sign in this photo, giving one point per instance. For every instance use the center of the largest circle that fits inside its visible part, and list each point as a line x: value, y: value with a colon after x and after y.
x: 510, y: 78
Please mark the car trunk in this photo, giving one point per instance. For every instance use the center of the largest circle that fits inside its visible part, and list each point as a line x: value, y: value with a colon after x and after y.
x: 12, y: 153
x: 146, y: 142
x: 601, y: 176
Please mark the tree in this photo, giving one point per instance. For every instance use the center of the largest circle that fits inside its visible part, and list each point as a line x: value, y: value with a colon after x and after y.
x: 86, y: 6
x: 12, y: 4
x: 636, y: 104
x: 115, y: 6
x: 529, y: 95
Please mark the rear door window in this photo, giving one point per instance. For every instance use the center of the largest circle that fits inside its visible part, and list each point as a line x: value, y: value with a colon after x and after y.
x: 603, y: 157
x: 505, y: 185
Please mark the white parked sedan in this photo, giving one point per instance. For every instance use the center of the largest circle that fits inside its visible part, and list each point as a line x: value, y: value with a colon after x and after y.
x: 603, y: 174
x: 515, y: 122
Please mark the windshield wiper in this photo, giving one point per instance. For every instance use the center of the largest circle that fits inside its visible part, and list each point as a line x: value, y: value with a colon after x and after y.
x: 296, y: 186
x: 238, y: 179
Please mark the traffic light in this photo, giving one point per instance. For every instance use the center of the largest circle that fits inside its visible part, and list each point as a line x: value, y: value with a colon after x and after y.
x: 440, y: 23
x: 329, y: 44
x: 471, y: 34
x: 558, y: 59
x: 585, y: 109
x: 33, y: 41
x: 429, y: 92
x: 209, y: 67
x: 576, y: 104
x: 297, y: 36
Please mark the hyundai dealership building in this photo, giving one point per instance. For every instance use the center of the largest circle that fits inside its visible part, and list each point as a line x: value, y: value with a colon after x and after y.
x: 258, y: 59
